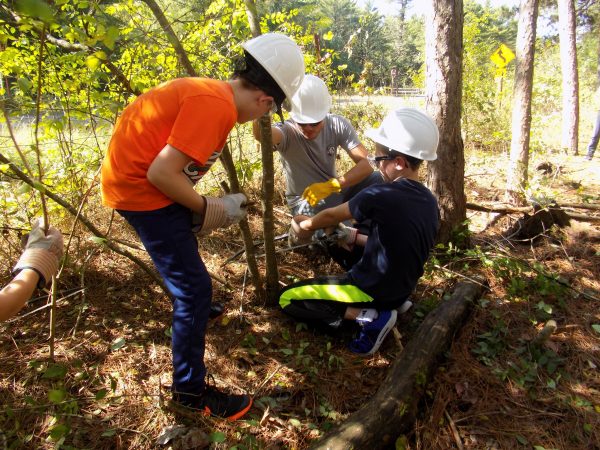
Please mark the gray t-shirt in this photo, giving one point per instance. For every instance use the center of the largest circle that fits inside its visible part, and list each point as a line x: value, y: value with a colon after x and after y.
x: 312, y: 161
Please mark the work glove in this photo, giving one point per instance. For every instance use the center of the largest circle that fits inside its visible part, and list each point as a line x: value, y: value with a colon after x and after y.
x: 220, y: 213
x: 345, y: 236
x: 42, y: 253
x: 316, y: 192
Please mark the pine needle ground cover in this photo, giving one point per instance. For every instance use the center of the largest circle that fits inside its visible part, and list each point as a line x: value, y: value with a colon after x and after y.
x: 108, y: 386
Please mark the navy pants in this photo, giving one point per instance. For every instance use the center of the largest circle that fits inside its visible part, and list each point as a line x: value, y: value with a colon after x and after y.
x: 168, y: 238
x: 595, y: 138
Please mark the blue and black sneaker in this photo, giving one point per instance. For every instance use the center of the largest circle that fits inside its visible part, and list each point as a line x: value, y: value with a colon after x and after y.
x: 373, y: 333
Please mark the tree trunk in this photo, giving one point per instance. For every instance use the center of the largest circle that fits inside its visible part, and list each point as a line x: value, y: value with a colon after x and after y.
x: 570, y: 76
x: 392, y: 410
x: 521, y: 118
x: 445, y: 176
x: 268, y: 183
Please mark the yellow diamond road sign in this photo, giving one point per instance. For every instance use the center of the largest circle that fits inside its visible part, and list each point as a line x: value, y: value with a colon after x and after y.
x: 502, y: 56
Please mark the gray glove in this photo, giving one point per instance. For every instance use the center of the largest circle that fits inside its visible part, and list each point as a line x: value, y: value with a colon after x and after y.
x: 42, y: 253
x: 220, y: 213
x: 346, y: 236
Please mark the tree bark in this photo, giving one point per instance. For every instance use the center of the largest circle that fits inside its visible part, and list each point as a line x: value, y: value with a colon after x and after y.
x: 392, y: 410
x: 445, y: 176
x: 521, y: 117
x: 268, y: 187
x: 570, y: 76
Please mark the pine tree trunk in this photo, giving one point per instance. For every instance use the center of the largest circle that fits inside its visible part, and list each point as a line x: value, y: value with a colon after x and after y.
x: 570, y: 82
x: 521, y: 118
x: 445, y: 176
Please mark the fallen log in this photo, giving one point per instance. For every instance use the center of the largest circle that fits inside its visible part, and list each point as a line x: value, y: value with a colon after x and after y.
x: 530, y: 209
x: 392, y: 410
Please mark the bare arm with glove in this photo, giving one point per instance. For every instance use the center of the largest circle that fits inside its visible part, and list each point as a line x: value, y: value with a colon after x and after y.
x: 35, y: 268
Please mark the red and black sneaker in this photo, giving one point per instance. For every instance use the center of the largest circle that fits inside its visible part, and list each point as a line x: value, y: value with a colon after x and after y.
x: 213, y: 402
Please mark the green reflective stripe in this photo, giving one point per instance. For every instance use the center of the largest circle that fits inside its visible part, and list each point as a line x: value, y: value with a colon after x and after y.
x: 344, y: 293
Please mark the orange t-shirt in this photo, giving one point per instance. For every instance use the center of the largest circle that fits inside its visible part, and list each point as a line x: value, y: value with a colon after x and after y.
x: 194, y: 115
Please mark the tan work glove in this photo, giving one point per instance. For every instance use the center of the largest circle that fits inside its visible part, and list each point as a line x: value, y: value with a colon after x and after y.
x: 316, y: 192
x: 42, y: 253
x: 220, y: 213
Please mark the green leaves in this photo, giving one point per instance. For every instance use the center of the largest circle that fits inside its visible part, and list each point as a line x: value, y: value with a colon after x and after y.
x: 57, y: 395
x: 55, y: 371
x: 36, y: 9
x: 118, y: 344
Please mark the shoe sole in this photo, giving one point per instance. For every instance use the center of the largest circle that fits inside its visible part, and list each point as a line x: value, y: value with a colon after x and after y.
x: 241, y: 413
x: 383, y: 333
x: 405, y: 307
x: 186, y: 410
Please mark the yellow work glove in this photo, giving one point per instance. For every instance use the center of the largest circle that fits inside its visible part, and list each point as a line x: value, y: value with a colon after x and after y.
x: 316, y: 192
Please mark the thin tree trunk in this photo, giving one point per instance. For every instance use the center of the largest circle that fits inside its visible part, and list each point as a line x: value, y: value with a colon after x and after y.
x: 521, y: 118
x: 570, y: 76
x: 173, y: 39
x: 227, y: 162
x: 268, y: 186
x: 268, y: 182
x: 253, y: 18
x: 445, y: 176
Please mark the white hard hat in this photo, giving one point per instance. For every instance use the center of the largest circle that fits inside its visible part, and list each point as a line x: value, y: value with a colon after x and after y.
x: 281, y: 57
x: 312, y: 101
x: 409, y: 131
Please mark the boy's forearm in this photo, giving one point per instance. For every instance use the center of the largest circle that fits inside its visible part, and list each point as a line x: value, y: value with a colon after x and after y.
x: 16, y: 293
x: 178, y: 188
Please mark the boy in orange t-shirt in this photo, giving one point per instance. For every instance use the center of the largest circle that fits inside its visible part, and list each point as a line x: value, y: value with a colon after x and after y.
x: 162, y: 144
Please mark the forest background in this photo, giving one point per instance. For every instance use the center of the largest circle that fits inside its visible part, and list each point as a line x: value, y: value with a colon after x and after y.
x: 69, y: 67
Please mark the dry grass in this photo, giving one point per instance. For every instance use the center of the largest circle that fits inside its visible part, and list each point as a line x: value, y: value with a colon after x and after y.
x: 111, y: 396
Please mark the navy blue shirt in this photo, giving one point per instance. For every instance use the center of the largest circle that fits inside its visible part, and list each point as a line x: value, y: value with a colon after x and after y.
x: 404, y: 222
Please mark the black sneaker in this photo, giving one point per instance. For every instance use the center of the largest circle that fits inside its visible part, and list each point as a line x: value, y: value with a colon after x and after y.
x: 213, y: 402
x: 216, y: 309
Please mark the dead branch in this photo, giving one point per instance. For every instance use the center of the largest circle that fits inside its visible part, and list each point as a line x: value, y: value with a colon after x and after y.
x: 579, y: 206
x: 530, y: 209
x: 392, y: 410
x: 84, y: 220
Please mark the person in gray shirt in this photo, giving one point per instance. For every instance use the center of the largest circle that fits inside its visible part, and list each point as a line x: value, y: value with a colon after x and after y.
x: 308, y: 147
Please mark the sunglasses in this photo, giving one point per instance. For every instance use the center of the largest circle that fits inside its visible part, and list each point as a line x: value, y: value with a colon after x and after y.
x: 375, y: 160
x: 312, y: 125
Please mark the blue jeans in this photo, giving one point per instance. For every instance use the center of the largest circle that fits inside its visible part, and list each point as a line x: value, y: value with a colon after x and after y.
x: 595, y: 138
x: 167, y: 235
